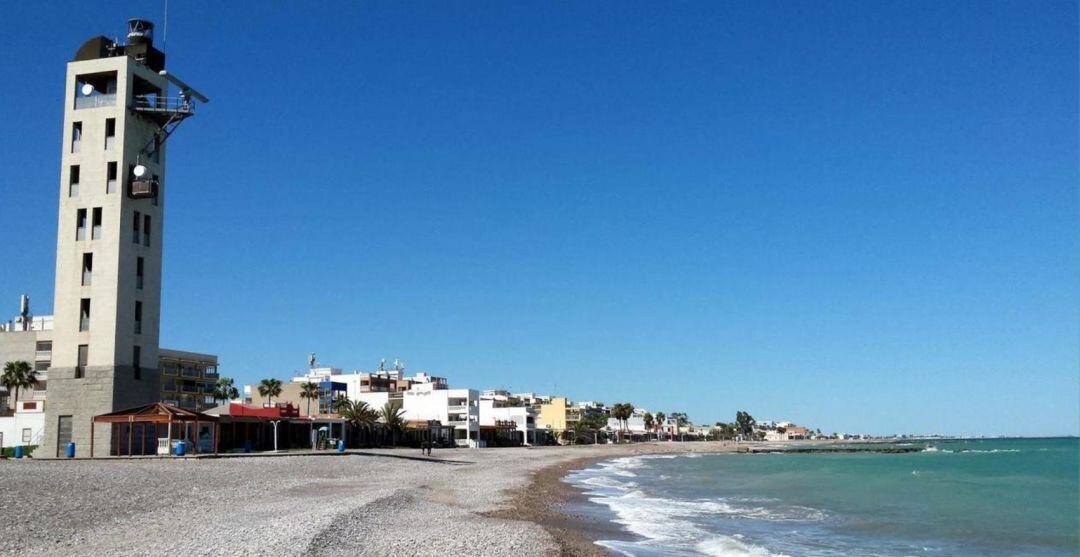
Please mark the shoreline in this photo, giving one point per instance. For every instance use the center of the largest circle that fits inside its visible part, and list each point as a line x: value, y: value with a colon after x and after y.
x: 546, y: 499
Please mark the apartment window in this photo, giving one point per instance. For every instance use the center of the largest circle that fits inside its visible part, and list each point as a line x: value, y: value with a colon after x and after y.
x: 95, y: 225
x: 146, y: 231
x: 135, y: 227
x: 139, y: 269
x: 73, y: 181
x: 110, y: 178
x: 84, y: 354
x: 25, y: 433
x: 136, y: 355
x: 138, y: 318
x: 110, y: 133
x: 76, y: 136
x: 41, y: 366
x: 80, y: 225
x: 157, y: 188
x: 84, y: 314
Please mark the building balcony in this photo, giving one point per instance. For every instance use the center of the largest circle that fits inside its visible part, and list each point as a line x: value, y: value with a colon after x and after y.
x: 163, y: 109
x: 142, y: 189
x: 95, y: 101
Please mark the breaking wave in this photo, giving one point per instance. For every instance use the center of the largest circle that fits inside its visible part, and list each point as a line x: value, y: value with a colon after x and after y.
x: 671, y: 525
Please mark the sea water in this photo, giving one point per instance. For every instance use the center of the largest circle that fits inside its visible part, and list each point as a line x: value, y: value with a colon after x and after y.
x: 952, y: 498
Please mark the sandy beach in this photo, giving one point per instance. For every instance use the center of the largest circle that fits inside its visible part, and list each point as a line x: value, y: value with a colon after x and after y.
x: 382, y: 502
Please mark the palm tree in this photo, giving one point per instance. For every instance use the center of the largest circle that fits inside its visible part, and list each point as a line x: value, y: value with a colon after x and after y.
x: 622, y: 412
x: 577, y: 432
x: 18, y: 375
x: 309, y: 391
x: 357, y: 413
x: 270, y: 388
x: 392, y: 418
x: 224, y: 390
x: 648, y: 419
x: 340, y: 403
x: 660, y: 417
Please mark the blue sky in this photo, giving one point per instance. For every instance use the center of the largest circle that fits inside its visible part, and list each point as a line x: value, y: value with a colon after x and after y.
x: 858, y: 216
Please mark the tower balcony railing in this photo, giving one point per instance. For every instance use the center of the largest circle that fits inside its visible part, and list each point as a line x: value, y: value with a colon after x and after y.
x: 95, y: 101
x: 164, y: 106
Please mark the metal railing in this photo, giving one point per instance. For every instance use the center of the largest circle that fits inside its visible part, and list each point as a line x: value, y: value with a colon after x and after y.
x: 164, y: 104
x: 95, y: 101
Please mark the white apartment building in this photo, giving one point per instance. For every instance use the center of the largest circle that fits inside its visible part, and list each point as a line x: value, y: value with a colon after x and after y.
x: 532, y: 399
x: 460, y: 408
x: 494, y: 412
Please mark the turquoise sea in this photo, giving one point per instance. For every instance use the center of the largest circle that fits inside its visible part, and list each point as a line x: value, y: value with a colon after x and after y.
x: 991, y: 497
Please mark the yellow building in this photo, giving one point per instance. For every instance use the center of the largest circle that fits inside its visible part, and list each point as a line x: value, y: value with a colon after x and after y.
x: 557, y: 415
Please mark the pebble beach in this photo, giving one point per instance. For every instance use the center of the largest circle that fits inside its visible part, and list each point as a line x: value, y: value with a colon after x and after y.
x: 488, y: 502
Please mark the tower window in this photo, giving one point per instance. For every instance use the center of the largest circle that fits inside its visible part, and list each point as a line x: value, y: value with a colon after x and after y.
x: 138, y: 318
x: 73, y: 181
x: 95, y: 90
x: 136, y: 364
x: 76, y: 136
x: 84, y: 355
x: 146, y: 230
x: 87, y: 268
x: 110, y: 178
x: 84, y: 314
x: 80, y: 225
x: 110, y: 133
x: 95, y: 230
x: 135, y: 227
x: 139, y: 265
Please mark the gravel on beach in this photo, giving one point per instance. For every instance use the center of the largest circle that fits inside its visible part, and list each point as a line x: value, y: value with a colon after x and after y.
x: 375, y: 503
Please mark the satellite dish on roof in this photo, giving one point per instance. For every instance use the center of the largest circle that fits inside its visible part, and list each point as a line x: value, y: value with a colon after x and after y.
x: 87, y: 89
x: 139, y: 171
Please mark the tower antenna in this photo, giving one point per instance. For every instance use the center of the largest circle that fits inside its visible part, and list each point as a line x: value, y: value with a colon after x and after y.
x: 165, y: 30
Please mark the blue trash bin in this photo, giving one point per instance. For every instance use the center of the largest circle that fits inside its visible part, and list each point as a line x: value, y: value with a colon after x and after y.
x: 341, y: 446
x: 70, y: 451
x: 181, y: 448
x: 18, y: 451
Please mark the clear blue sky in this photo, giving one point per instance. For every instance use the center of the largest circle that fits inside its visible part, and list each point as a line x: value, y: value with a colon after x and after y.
x: 858, y: 216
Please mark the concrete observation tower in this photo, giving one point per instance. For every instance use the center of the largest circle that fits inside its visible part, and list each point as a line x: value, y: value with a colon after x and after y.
x: 120, y: 107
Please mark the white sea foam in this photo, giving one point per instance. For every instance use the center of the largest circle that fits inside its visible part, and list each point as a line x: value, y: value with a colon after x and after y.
x: 608, y: 482
x: 676, y: 523
x: 725, y: 546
